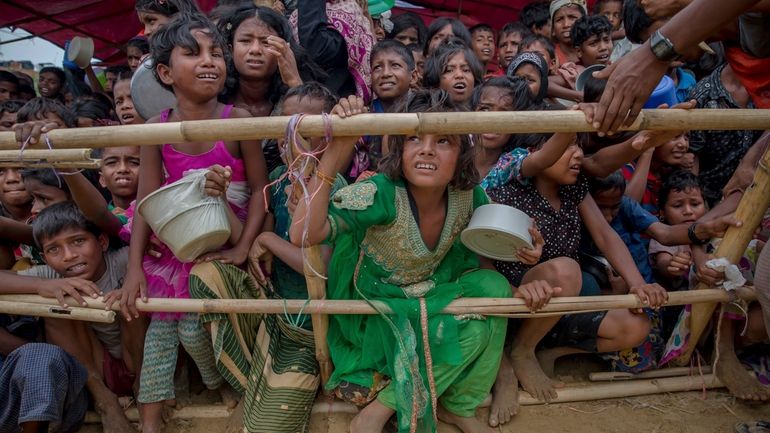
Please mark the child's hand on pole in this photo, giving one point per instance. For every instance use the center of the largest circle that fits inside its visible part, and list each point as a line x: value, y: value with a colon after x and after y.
x: 536, y: 294
x: 30, y: 132
x: 73, y: 287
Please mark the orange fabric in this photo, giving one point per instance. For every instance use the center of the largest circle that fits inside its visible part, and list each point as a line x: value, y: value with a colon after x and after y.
x: 754, y: 74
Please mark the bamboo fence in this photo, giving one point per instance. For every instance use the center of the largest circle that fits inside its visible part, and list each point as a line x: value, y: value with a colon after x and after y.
x: 48, y: 158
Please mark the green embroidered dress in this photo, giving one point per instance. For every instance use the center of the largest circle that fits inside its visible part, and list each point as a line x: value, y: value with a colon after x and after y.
x: 379, y: 255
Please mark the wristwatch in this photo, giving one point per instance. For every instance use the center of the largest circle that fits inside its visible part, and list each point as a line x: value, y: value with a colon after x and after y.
x: 694, y: 238
x: 662, y: 47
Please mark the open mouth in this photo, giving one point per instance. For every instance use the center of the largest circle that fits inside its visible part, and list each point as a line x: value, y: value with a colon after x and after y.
x: 603, y: 58
x: 387, y: 85
x: 575, y: 167
x: 486, y: 51
x: 254, y: 63
x: 127, y: 117
x: 460, y: 87
x: 425, y: 166
x: 76, y: 269
x: 209, y: 76
x: 123, y: 181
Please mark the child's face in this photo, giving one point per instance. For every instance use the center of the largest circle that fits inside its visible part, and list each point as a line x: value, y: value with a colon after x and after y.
x: 445, y: 33
x: 7, y: 91
x: 390, y: 76
x: 563, y: 20
x: 529, y: 72
x: 613, y: 10
x: 544, y: 31
x: 684, y: 206
x: 153, y: 21
x: 124, y: 104
x: 133, y: 58
x: 119, y: 172
x: 49, y: 85
x: 306, y: 105
x: 507, y: 49
x: 407, y: 36
x: 538, y: 47
x: 199, y: 76
x: 457, y: 78
x: 109, y: 81
x: 494, y: 99
x: 43, y: 195
x: 379, y: 31
x: 75, y: 252
x: 483, y: 44
x: 250, y: 50
x: 7, y: 120
x: 608, y: 202
x: 51, y: 118
x: 419, y: 62
x: 673, y: 151
x: 566, y: 170
x: 595, y: 50
x: 12, y: 191
x: 429, y: 161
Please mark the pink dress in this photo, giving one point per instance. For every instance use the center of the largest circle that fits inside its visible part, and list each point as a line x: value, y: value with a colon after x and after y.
x: 166, y: 276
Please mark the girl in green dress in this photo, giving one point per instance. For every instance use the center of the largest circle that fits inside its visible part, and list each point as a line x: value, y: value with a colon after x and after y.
x: 396, y: 241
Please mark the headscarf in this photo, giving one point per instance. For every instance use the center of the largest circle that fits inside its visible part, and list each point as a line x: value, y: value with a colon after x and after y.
x: 558, y: 4
x: 539, y: 62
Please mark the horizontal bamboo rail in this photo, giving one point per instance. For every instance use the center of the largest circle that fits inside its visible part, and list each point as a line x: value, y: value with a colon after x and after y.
x: 508, y: 307
x: 93, y: 164
x: 55, y: 311
x: 390, y: 123
x: 38, y: 155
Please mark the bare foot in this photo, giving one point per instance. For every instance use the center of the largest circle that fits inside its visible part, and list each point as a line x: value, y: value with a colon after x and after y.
x: 230, y: 397
x: 547, y: 358
x: 531, y: 376
x: 113, y: 418
x: 505, y: 395
x: 740, y: 383
x: 465, y: 424
x: 371, y: 419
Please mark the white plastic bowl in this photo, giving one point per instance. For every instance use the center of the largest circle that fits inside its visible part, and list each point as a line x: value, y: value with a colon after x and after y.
x: 498, y: 232
x: 80, y: 51
x: 149, y: 97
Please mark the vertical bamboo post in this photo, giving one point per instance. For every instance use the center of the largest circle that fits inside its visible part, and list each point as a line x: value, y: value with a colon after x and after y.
x: 750, y: 210
x: 314, y: 270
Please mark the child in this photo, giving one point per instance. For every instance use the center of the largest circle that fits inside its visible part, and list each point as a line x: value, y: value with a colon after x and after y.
x: 536, y: 17
x: 613, y: 11
x: 508, y: 44
x: 453, y: 68
x: 154, y: 14
x: 286, y: 338
x: 419, y: 65
x: 26, y: 90
x: 8, y: 110
x: 404, y: 258
x: 544, y: 47
x: 557, y: 198
x: 50, y: 83
x: 124, y: 103
x: 483, y: 43
x: 136, y: 48
x: 564, y: 13
x: 91, y: 111
x: 533, y: 68
x: 9, y: 86
x: 591, y: 37
x: 393, y: 71
x: 112, y: 74
x: 408, y: 28
x: 79, y: 264
x: 443, y: 28
x: 189, y: 57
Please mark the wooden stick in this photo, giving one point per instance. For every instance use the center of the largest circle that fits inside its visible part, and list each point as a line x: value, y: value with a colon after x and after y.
x: 45, y: 154
x: 751, y: 209
x: 652, y: 374
x: 486, y: 306
x: 391, y: 123
x: 56, y: 311
x: 91, y: 163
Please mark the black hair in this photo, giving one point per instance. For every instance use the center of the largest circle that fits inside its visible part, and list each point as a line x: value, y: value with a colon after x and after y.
x: 408, y: 20
x: 46, y: 176
x: 308, y: 69
x: 458, y: 30
x: 9, y: 77
x: 588, y: 26
x: 117, y: 70
x: 178, y: 33
x: 167, y: 7
x: 517, y: 89
x: 536, y: 59
x: 140, y: 43
x: 593, y: 89
x: 466, y: 175
x: 37, y: 108
x: 513, y: 27
x: 635, y: 21
x: 535, y: 15
x: 481, y: 27
x: 534, y: 38
x: 11, y: 106
x: 314, y: 90
x: 58, y: 217
x: 677, y: 181
x: 59, y: 72
x: 614, y: 181
x: 394, y: 46
x: 434, y: 64
x: 599, y: 3
x: 92, y: 108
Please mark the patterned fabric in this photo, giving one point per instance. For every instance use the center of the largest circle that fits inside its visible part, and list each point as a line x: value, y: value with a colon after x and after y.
x: 269, y: 360
x: 506, y: 169
x: 161, y: 346
x: 41, y: 382
x: 651, y: 191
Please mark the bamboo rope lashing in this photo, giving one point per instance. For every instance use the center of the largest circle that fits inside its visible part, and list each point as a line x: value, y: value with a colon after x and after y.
x: 389, y: 123
x: 486, y: 306
x: 56, y: 311
x: 751, y: 209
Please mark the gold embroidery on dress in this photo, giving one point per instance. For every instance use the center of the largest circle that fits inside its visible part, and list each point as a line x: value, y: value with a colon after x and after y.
x: 399, y: 243
x: 418, y: 290
x: 469, y: 316
x: 357, y: 196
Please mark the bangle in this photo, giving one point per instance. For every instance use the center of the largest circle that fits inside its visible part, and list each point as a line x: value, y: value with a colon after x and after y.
x: 325, y: 178
x: 693, y: 238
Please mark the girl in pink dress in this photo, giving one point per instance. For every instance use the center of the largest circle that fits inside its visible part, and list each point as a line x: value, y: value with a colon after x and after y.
x: 189, y: 55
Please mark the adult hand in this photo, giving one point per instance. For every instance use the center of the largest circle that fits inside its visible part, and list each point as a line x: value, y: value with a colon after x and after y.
x: 660, y: 9
x: 679, y: 264
x: 716, y: 228
x: 217, y: 180
x: 134, y: 285
x: 536, y: 294
x: 532, y: 256
x: 74, y: 287
x: 631, y: 81
x: 652, y: 295
x: 30, y: 132
x: 650, y: 139
x: 287, y: 63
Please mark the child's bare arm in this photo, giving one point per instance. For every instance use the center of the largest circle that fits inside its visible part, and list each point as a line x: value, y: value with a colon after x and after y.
x: 557, y: 88
x: 611, y: 158
x: 637, y: 185
x: 679, y: 234
x: 547, y: 156
x: 284, y: 250
x: 92, y: 203
x: 15, y: 231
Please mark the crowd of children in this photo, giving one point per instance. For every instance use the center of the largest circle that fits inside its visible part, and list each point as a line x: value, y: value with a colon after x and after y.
x: 627, y: 213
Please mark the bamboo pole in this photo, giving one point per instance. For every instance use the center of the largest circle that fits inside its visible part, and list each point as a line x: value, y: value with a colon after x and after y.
x: 605, y: 376
x: 91, y: 163
x: 56, y: 311
x: 751, y: 209
x: 37, y: 155
x: 390, y: 123
x: 486, y: 306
